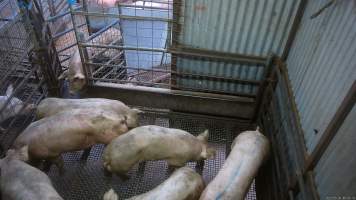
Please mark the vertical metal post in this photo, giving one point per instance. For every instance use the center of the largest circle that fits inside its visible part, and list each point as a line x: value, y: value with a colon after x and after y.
x: 263, y: 85
x: 78, y: 38
x: 87, y: 20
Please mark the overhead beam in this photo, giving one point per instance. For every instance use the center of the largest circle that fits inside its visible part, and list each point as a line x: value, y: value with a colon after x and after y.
x: 180, y: 101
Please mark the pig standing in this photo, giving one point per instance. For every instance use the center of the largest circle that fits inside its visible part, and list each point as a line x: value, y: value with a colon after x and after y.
x: 155, y: 143
x: 249, y: 150
x: 13, y: 107
x: 69, y: 131
x: 51, y: 106
x: 20, y: 181
x: 75, y: 73
x: 183, y: 184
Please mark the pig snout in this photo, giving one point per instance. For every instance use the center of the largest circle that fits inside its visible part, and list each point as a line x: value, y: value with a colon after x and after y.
x: 78, y: 82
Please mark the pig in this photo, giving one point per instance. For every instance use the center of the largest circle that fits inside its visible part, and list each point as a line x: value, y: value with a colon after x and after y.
x: 249, y: 150
x: 13, y: 107
x: 155, y: 143
x: 75, y: 73
x: 69, y: 131
x: 20, y: 181
x: 51, y: 106
x: 183, y: 184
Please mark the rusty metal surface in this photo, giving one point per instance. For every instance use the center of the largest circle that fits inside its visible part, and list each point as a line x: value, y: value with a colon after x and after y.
x: 87, y: 181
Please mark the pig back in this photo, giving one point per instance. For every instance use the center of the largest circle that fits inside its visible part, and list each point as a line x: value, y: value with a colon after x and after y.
x: 249, y: 150
x: 20, y: 181
x: 51, y: 106
x: 70, y: 130
x: 183, y: 184
x: 152, y: 143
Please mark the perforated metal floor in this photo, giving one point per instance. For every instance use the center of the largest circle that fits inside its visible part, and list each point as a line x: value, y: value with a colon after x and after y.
x: 86, y: 180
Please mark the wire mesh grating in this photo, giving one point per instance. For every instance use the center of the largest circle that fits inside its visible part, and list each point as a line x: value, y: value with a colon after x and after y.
x: 86, y: 180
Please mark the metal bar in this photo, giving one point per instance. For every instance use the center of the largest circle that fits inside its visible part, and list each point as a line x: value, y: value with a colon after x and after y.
x: 332, y: 128
x: 218, y: 56
x: 122, y: 47
x: 164, y: 85
x: 108, y: 63
x: 127, y: 17
x: 218, y: 78
x: 67, y: 47
x: 181, y: 101
x: 295, y: 26
x: 96, y: 34
x: 104, y: 50
x: 65, y: 32
x: 144, y: 7
x: 78, y: 38
x: 62, y: 14
x: 263, y: 85
x: 87, y: 20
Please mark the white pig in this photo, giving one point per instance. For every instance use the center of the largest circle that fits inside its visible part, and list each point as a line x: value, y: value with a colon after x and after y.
x: 249, y: 150
x: 13, y: 107
x: 155, y: 143
x: 20, y: 181
x: 51, y: 106
x: 75, y: 73
x: 183, y: 184
x: 69, y: 131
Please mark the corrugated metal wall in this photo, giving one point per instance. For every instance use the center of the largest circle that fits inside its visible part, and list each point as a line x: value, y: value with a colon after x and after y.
x: 247, y: 27
x: 322, y: 68
x: 335, y: 173
x: 322, y: 64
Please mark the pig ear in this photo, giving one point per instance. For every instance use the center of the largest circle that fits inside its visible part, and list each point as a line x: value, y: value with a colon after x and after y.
x: 138, y: 111
x: 259, y: 129
x: 203, y: 136
x: 9, y: 90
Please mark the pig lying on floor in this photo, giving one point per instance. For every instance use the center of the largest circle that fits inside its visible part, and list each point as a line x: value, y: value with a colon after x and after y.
x: 183, y: 184
x: 69, y: 131
x: 51, y: 106
x: 155, y: 143
x: 20, y: 181
x: 249, y: 150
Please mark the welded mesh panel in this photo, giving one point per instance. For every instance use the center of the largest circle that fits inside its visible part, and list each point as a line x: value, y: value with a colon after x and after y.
x: 21, y: 85
x: 86, y: 180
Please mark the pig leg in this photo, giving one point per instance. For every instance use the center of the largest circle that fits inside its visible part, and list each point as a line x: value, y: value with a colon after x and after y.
x: 58, y: 161
x: 107, y: 173
x: 200, y: 166
x: 174, y: 164
x: 141, y: 167
x: 85, y: 154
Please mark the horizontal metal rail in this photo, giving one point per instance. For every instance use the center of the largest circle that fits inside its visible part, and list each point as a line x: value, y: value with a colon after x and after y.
x: 122, y: 47
x: 180, y: 87
x: 211, y: 77
x: 50, y: 19
x: 218, y: 55
x: 177, y: 100
x: 66, y: 31
x: 120, y: 16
